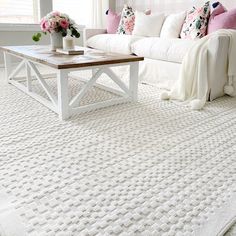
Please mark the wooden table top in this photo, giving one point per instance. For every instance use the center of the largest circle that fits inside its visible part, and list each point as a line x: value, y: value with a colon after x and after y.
x: 91, y: 57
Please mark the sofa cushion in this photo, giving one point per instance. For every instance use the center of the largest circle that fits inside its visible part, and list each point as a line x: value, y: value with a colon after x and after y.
x: 148, y: 25
x: 114, y: 43
x: 172, y: 50
x: 222, y: 19
x: 173, y: 25
x: 113, y: 21
x: 195, y: 25
x: 126, y: 25
x: 127, y: 21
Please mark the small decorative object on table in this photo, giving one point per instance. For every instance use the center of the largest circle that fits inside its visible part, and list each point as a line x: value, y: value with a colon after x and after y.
x: 68, y: 42
x: 58, y: 25
x: 75, y: 51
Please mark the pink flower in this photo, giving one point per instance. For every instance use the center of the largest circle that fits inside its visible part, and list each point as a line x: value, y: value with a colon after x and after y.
x: 199, y: 10
x: 129, y: 25
x: 44, y: 25
x: 55, y: 22
x: 64, y: 23
x: 53, y: 25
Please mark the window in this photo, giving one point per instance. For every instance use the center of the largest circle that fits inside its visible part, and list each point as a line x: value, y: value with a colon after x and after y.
x: 79, y: 10
x: 19, y: 11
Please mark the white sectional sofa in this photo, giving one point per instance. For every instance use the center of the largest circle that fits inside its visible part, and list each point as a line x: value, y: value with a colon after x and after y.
x: 163, y: 57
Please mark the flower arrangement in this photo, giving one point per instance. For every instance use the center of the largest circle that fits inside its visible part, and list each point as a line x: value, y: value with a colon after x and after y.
x: 56, y: 22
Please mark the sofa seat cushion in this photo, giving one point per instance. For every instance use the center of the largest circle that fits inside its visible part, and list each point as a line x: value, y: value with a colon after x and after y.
x: 172, y: 50
x: 113, y: 43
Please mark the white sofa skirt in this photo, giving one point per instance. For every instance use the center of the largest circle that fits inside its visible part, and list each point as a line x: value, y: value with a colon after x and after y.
x: 162, y: 74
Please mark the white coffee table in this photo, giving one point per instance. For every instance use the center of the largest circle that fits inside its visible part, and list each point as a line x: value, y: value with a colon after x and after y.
x: 98, y: 62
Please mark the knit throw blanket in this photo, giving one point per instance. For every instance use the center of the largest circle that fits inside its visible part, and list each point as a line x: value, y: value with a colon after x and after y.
x: 192, y: 88
x: 145, y: 168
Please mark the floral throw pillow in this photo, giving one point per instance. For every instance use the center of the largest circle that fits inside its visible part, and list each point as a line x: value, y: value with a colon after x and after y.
x: 195, y: 25
x: 127, y: 21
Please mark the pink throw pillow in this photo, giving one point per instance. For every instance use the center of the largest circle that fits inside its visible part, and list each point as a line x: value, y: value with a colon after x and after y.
x: 218, y: 9
x: 113, y: 21
x: 222, y: 19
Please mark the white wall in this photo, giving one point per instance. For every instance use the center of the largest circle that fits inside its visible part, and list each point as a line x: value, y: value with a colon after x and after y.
x: 168, y: 6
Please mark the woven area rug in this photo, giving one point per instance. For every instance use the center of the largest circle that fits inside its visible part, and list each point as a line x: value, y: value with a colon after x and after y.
x: 145, y: 168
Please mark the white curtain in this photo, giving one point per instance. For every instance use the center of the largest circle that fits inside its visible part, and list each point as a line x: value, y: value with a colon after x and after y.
x: 99, y: 8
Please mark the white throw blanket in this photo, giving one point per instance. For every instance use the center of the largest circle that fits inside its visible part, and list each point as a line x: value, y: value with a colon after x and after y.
x: 192, y: 86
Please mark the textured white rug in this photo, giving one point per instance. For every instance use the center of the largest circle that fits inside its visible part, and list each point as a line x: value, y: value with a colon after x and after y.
x: 145, y: 168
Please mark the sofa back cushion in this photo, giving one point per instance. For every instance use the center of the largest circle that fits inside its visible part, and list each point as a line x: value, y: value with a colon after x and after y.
x: 171, y: 50
x: 148, y: 25
x: 173, y: 25
x: 222, y: 19
x: 113, y: 21
x: 196, y: 22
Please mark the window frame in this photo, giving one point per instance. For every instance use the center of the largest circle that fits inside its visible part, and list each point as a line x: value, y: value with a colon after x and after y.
x: 45, y: 6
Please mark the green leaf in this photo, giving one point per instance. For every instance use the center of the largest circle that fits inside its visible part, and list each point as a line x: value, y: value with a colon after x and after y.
x: 63, y: 32
x: 77, y: 35
x: 36, y: 37
x: 198, y: 24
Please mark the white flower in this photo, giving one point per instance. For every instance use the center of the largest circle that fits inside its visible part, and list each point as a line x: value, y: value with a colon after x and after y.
x: 49, y: 15
x: 65, y: 16
x: 72, y: 21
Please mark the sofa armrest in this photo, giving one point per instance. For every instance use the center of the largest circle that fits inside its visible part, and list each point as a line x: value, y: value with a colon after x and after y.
x: 217, y: 65
x: 88, y: 33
